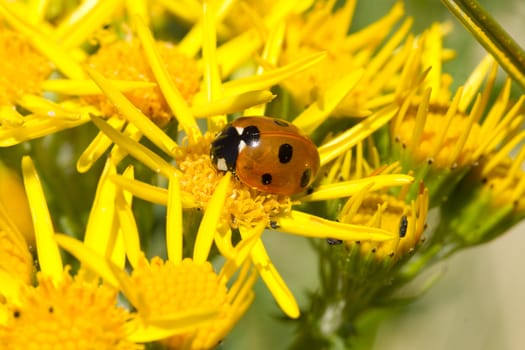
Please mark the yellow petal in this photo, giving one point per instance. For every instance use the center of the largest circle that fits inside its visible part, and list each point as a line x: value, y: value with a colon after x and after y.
x: 318, y: 111
x: 88, y: 257
x: 210, y: 220
x: 54, y: 52
x: 270, y: 55
x: 174, y: 234
x: 151, y: 193
x: 36, y: 126
x: 101, y: 230
x: 270, y: 78
x: 191, y: 43
x: 9, y: 117
x: 223, y: 241
x: 98, y: 146
x: 212, y: 79
x: 242, y: 250
x: 303, y: 224
x: 273, y: 280
x: 47, y: 250
x: 45, y: 107
x: 231, y: 104
x: 81, y: 23
x: 170, y: 91
x: 179, y: 323
x: 351, y: 137
x: 349, y: 188
x: 134, y: 115
x: 81, y: 87
x: 238, y: 50
x: 128, y: 226
x: 137, y: 150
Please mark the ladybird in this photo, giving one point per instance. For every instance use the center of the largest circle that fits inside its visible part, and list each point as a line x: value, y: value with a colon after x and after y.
x: 268, y: 154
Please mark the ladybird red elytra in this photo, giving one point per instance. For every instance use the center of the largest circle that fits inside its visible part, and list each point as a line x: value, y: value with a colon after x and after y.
x: 268, y: 154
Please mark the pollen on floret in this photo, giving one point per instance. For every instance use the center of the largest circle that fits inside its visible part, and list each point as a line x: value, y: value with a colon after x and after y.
x: 168, y: 288
x: 243, y: 207
x: 22, y: 69
x: 72, y: 314
x: 125, y: 60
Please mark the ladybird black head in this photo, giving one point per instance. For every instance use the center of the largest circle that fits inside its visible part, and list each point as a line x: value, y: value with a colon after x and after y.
x: 285, y: 153
x: 225, y: 149
x: 305, y: 177
x: 266, y: 179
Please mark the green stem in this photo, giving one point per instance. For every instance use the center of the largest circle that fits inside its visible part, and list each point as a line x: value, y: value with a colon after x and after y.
x: 491, y: 36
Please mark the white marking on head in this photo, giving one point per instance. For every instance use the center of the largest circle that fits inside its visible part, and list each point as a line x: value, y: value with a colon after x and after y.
x: 242, y: 144
x: 221, y: 164
x: 239, y: 130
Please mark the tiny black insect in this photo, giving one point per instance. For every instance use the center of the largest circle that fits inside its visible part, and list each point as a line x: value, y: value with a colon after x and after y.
x: 403, y: 225
x: 333, y: 241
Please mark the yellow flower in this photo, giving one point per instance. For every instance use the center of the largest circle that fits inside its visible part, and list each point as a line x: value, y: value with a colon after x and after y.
x: 245, y: 209
x: 406, y: 221
x: 377, y: 53
x: 374, y: 206
x: 41, y: 316
x: 181, y: 302
x: 71, y: 313
x: 29, y: 56
x: 438, y: 137
x: 124, y: 60
x: 487, y: 202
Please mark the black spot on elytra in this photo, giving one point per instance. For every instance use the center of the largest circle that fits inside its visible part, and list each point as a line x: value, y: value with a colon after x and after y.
x: 266, y: 179
x: 285, y: 153
x: 251, y: 135
x: 281, y: 122
x: 305, y: 177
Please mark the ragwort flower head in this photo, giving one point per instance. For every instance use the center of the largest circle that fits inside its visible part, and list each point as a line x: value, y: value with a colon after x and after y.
x: 377, y: 51
x: 438, y: 137
x: 42, y: 315
x: 392, y: 214
x: 486, y: 203
x: 180, y: 302
x: 71, y: 313
x: 124, y: 60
